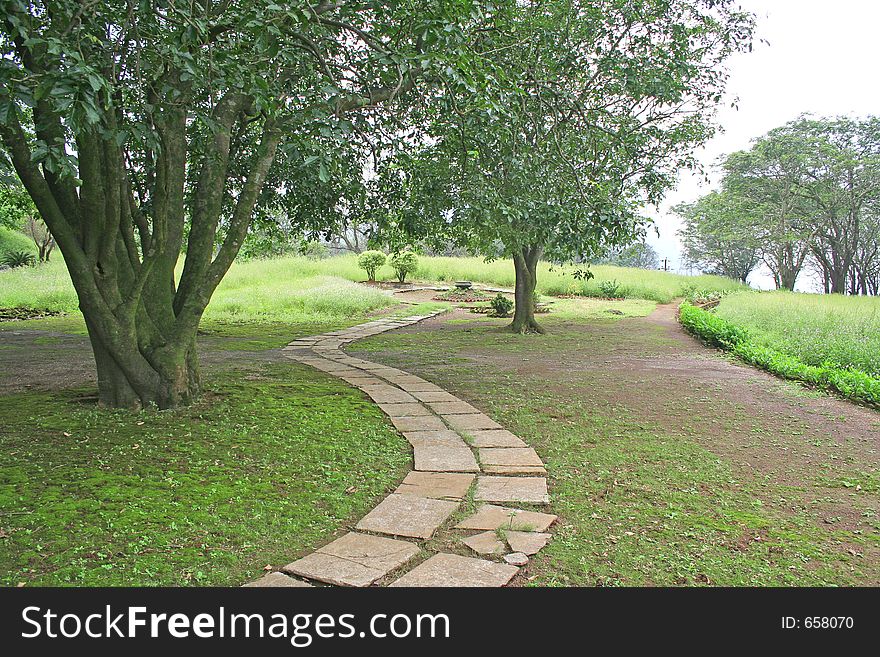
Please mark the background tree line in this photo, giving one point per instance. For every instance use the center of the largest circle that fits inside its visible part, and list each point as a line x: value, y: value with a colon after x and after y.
x: 804, y: 196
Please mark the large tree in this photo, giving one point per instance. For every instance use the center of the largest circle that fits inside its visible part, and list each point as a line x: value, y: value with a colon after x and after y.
x: 147, y: 128
x: 603, y: 103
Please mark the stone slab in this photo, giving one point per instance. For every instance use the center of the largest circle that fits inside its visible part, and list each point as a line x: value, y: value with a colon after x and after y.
x: 452, y: 407
x: 417, y: 387
x: 434, y: 396
x: 516, y: 559
x: 485, y: 543
x: 444, y: 458
x: 454, y: 570
x: 510, y: 456
x: 470, y: 421
x: 491, y: 517
x: 406, y: 515
x: 532, y: 490
x: 385, y: 394
x: 526, y: 542
x: 419, y: 423
x: 404, y: 410
x: 354, y: 560
x: 494, y: 438
x: 439, y: 485
x: 445, y: 438
x: 514, y: 470
x: 275, y: 580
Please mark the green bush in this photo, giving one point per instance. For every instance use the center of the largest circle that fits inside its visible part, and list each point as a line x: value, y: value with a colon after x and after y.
x: 15, y: 259
x: 370, y: 261
x: 719, y: 332
x: 404, y: 262
x: 609, y: 289
x: 501, y: 306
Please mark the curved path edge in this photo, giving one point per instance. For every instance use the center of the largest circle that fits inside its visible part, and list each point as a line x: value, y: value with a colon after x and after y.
x: 459, y: 454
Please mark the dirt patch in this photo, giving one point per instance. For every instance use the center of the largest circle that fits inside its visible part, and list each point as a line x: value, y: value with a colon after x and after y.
x: 17, y: 314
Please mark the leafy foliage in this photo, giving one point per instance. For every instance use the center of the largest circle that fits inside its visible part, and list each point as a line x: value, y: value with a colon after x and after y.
x: 370, y: 261
x: 15, y: 259
x: 501, y: 306
x: 404, y: 263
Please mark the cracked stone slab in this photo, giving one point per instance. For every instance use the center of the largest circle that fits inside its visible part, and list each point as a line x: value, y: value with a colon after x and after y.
x: 470, y: 421
x: 491, y: 517
x: 439, y: 485
x: 277, y: 580
x: 444, y: 438
x: 454, y: 570
x: 444, y: 458
x: 485, y: 543
x: 452, y: 407
x: 526, y: 542
x: 354, y: 560
x: 419, y: 423
x: 360, y: 381
x: 512, y: 489
x: 406, y: 515
x: 510, y: 456
x: 412, y: 409
x: 494, y: 438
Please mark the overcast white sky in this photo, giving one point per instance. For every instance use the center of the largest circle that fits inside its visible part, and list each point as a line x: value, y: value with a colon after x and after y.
x: 822, y: 58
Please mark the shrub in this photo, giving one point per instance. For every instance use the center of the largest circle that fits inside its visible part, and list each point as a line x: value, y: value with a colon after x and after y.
x: 404, y: 262
x: 370, y: 261
x: 15, y: 259
x: 501, y: 306
x: 609, y: 289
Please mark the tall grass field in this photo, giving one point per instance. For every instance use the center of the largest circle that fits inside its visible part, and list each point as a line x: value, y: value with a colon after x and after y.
x: 827, y: 341
x: 290, y: 288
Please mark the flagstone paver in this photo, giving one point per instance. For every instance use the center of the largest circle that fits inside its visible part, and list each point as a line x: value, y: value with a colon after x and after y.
x: 512, y: 489
x: 454, y: 570
x: 485, y: 543
x: 526, y: 542
x: 442, y: 430
x: 490, y: 516
x: 440, y: 485
x: 470, y: 421
x: 354, y: 560
x: 494, y: 438
x: 407, y: 515
x: 418, y: 423
x: 444, y: 437
x: 444, y: 458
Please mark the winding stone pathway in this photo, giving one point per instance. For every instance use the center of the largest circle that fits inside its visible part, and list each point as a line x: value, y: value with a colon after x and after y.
x: 459, y: 454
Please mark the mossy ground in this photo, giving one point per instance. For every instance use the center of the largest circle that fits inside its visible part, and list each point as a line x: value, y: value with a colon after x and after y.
x: 274, y: 459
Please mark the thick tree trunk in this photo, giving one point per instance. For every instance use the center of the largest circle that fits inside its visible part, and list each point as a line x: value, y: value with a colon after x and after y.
x: 525, y: 263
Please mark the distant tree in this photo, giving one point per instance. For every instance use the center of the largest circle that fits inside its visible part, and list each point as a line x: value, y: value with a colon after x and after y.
x: 16, y: 206
x: 39, y: 233
x: 639, y: 255
x: 718, y: 236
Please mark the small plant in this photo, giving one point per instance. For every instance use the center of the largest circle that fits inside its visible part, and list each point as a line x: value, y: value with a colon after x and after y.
x: 501, y: 306
x: 609, y: 289
x: 15, y: 259
x: 404, y: 262
x: 370, y: 261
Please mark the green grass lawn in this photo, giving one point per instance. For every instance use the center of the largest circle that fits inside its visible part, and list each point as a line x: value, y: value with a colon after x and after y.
x: 272, y: 461
x: 817, y: 329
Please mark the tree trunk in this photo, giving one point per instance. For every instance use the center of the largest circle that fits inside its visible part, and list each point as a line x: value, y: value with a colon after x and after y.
x: 525, y: 262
